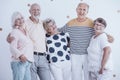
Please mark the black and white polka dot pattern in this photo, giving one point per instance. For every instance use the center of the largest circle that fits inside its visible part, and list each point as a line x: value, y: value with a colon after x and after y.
x: 57, y: 47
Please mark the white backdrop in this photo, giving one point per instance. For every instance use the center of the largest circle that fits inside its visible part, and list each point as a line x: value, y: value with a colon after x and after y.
x: 62, y: 11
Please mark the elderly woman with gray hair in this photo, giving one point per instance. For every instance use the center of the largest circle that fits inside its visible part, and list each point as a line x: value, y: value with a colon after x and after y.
x: 58, y: 51
x: 21, y: 49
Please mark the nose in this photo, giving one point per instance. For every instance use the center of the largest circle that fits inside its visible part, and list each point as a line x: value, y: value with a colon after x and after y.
x: 82, y: 11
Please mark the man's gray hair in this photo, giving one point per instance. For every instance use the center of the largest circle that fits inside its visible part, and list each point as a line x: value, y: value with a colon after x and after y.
x: 34, y: 4
x: 83, y: 4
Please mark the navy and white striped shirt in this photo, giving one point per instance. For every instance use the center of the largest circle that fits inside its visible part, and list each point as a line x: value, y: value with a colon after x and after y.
x: 79, y: 38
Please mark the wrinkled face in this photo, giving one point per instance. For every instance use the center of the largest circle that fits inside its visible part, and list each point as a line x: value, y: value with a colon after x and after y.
x: 51, y: 27
x: 19, y: 21
x: 35, y: 10
x: 98, y: 27
x: 82, y: 11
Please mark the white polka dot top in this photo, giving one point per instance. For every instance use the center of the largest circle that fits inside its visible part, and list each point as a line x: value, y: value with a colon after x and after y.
x: 57, y: 47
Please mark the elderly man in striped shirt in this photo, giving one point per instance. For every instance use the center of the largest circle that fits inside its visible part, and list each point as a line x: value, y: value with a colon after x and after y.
x: 81, y: 31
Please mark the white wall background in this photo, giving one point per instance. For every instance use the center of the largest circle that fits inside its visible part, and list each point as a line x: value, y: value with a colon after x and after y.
x: 59, y: 10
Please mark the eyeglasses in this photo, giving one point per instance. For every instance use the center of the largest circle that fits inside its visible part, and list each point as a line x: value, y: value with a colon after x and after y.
x: 96, y: 24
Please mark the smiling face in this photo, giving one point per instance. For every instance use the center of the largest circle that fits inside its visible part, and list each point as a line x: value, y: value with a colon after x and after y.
x: 19, y: 21
x: 99, y: 27
x: 35, y: 11
x: 51, y: 27
x: 82, y: 10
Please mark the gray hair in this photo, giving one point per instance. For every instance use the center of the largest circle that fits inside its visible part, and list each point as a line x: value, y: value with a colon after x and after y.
x: 47, y: 21
x: 15, y: 16
x: 34, y: 4
x: 83, y: 4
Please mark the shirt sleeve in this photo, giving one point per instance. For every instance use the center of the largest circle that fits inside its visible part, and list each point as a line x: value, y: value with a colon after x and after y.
x: 68, y: 37
x: 14, y: 45
x: 104, y: 41
x: 63, y: 29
